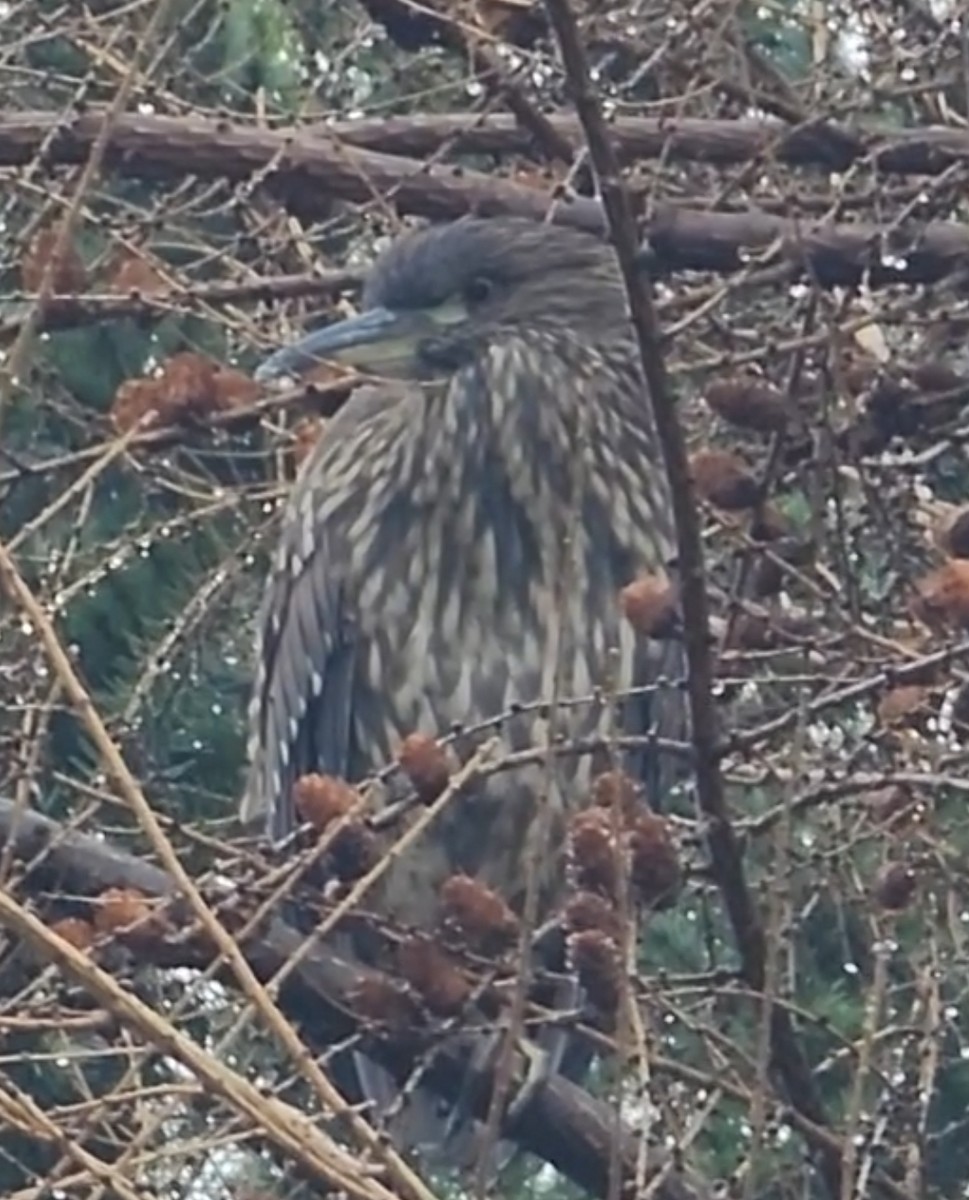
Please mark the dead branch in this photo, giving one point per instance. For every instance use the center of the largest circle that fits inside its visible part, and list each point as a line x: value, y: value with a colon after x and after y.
x: 561, y: 1124
x: 929, y: 150
x: 67, y: 312
x: 307, y: 172
x: 833, y: 255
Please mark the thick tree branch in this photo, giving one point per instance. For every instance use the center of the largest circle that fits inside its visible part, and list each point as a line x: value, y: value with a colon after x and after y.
x: 560, y: 1124
x: 717, y: 142
x: 309, y: 172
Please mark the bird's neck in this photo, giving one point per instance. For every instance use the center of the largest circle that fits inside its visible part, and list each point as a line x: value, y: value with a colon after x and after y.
x: 531, y: 430
x: 524, y: 407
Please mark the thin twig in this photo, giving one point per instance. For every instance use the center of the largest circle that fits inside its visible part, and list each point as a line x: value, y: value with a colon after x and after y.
x: 255, y: 992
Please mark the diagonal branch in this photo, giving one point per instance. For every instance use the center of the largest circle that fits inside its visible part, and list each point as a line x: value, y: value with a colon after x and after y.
x: 561, y: 1124
x: 307, y: 172
x: 330, y: 1158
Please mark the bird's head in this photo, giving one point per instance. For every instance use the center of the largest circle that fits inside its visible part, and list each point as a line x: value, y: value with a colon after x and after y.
x: 437, y: 295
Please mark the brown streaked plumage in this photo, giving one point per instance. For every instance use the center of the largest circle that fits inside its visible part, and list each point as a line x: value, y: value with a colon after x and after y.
x: 456, y: 544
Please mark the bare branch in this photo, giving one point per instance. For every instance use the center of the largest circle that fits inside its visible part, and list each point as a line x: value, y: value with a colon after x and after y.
x: 561, y: 1124
x: 308, y: 172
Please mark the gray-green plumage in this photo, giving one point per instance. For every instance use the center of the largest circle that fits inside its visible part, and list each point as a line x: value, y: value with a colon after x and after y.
x: 459, y: 533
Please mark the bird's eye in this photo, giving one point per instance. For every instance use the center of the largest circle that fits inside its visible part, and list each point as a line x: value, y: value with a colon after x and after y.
x: 480, y: 289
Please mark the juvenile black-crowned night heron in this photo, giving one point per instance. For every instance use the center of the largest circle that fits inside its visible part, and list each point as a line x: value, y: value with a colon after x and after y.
x: 454, y: 547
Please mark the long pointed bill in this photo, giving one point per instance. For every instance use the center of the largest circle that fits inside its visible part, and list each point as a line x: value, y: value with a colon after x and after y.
x: 379, y: 342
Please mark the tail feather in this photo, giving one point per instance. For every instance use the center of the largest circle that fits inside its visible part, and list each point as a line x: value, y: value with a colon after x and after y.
x: 441, y: 1135
x: 450, y: 1136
